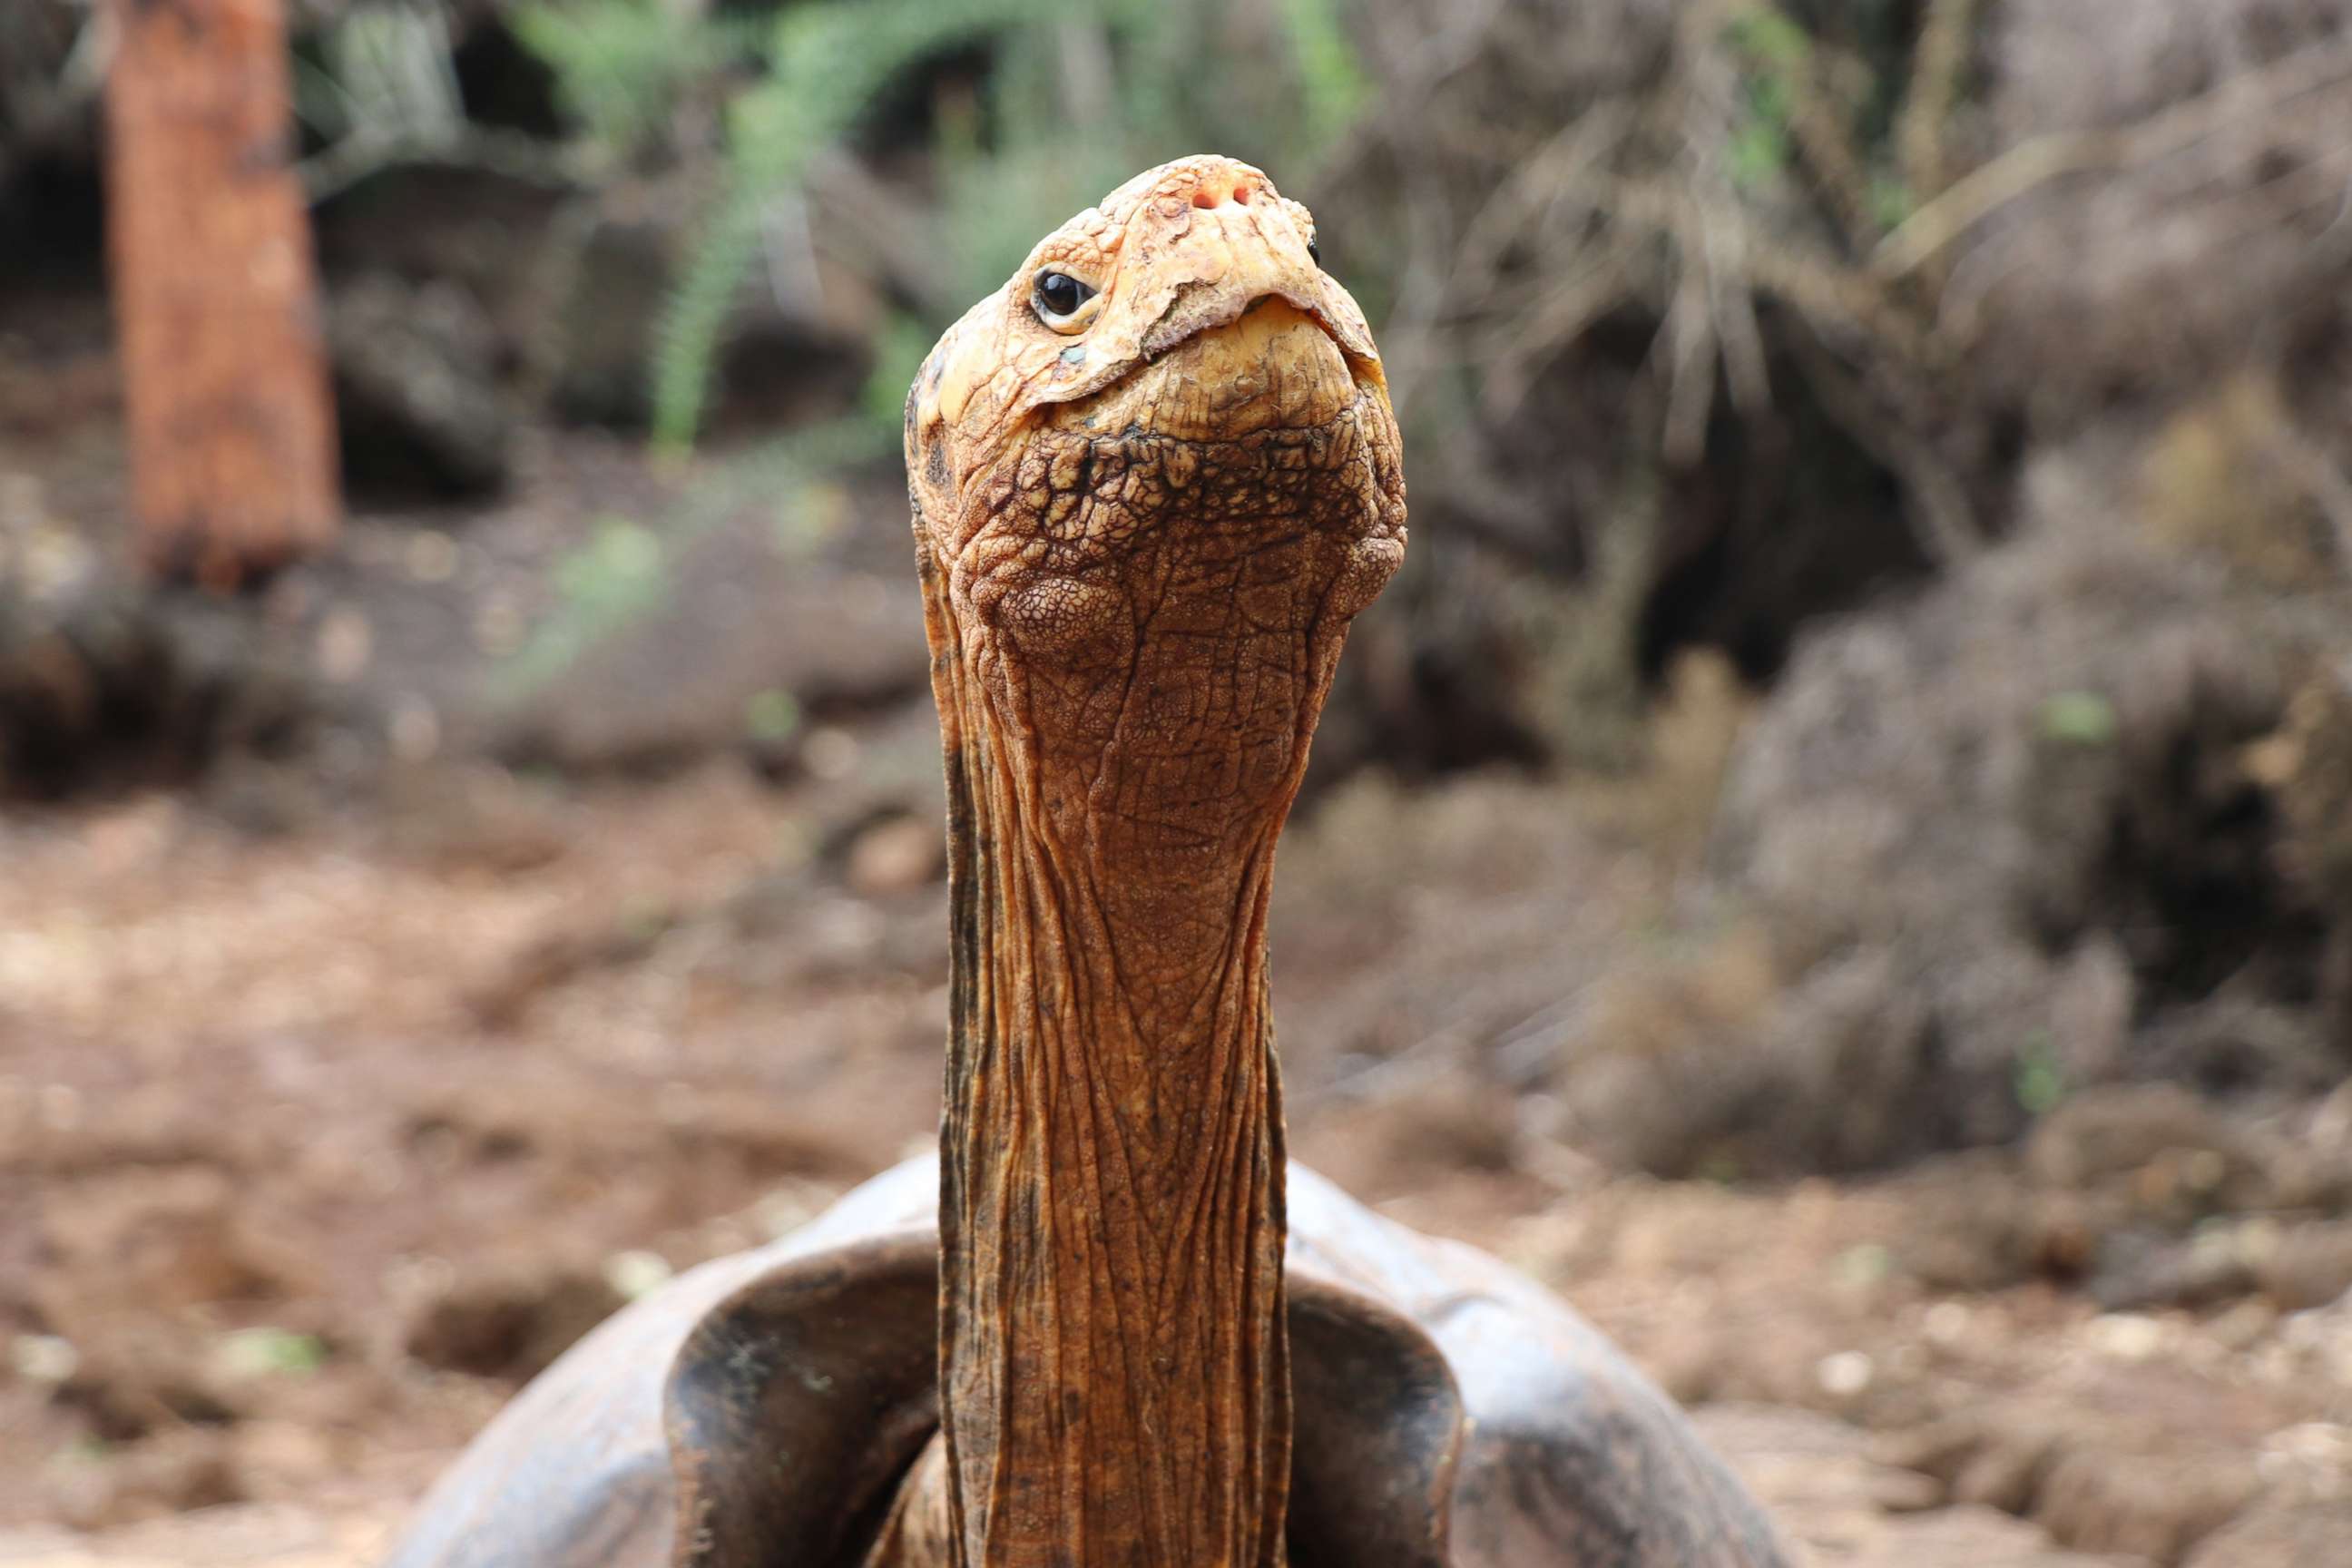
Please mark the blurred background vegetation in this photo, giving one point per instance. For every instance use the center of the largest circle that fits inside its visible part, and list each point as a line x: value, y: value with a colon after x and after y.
x: 1872, y: 678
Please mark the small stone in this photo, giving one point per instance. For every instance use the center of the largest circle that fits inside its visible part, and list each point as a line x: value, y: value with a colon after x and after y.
x: 637, y: 1272
x: 896, y: 854
x: 345, y: 644
x: 2124, y: 1336
x: 284, y: 1450
x: 499, y: 625
x: 432, y: 556
x: 44, y: 1358
x: 173, y: 1473
x: 1906, y: 1492
x: 2308, y: 1266
x: 1844, y: 1374
x: 1946, y: 1323
x: 2243, y: 1326
x: 830, y: 754
x: 60, y: 1106
x: 414, y: 730
x: 266, y: 1352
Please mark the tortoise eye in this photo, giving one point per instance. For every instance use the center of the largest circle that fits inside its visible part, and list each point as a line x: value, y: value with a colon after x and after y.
x: 1058, y: 297
x: 1313, y: 251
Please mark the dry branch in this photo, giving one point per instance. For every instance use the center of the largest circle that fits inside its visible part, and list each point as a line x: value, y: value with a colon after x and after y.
x: 1946, y: 36
x: 2030, y: 166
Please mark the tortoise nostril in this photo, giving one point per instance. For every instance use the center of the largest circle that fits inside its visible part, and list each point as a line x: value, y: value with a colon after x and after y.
x: 1203, y: 196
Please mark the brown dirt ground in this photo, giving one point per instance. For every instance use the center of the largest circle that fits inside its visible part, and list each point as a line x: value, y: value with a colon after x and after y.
x: 312, y: 1145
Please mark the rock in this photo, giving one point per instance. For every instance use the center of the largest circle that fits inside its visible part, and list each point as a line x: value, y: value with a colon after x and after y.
x: 740, y: 631
x: 476, y: 229
x: 895, y: 855
x: 601, y: 329
x: 1661, y: 1077
x: 2093, y: 1486
x: 44, y: 109
x: 2274, y: 1536
x: 2307, y: 1265
x: 170, y: 1473
x: 417, y: 401
x: 285, y: 1453
x: 1837, y: 1505
x: 2227, y: 1044
x: 1994, y: 1229
x: 2307, y: 766
x: 2095, y: 1138
x: 104, y: 682
x: 1846, y: 1044
x: 2243, y: 1326
x: 1985, y: 1459
x: 166, y: 1241
x: 2135, y: 1270
x: 2144, y: 1505
x: 2023, y: 799
x: 509, y: 1324
x: 1413, y: 1137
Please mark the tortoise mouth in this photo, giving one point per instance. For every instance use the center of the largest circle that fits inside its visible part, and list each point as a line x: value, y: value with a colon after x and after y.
x: 1272, y: 367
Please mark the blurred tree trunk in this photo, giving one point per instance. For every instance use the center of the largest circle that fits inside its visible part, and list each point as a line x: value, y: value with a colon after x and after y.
x: 224, y: 379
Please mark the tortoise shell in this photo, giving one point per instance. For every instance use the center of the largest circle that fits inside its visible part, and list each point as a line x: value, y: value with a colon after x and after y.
x: 764, y: 1409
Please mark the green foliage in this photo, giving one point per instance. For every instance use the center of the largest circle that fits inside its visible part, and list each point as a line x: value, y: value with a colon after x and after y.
x: 1772, y: 52
x: 2079, y: 719
x: 1765, y: 34
x: 1864, y: 1264
x: 270, y: 1352
x: 382, y: 72
x: 900, y: 352
x: 827, y: 62
x: 1332, y: 84
x: 1891, y: 200
x: 617, y: 575
x: 1080, y: 96
x: 1759, y: 141
x: 622, y: 67
x: 616, y: 570
x: 772, y: 716
x: 2036, y: 1075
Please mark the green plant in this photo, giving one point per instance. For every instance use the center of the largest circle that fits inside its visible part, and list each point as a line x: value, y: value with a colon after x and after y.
x: 270, y: 1352
x: 622, y: 67
x: 2079, y: 719
x: 2037, y: 1077
x: 618, y: 575
x: 1079, y: 96
x: 899, y: 350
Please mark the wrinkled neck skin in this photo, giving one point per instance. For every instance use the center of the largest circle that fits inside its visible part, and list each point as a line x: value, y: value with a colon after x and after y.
x: 1133, y: 635
x: 1115, y: 1390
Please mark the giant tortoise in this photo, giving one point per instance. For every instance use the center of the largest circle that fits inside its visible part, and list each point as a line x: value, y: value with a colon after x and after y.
x: 1154, y: 477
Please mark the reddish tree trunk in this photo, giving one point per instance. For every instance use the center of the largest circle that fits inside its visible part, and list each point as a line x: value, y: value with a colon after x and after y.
x: 224, y: 378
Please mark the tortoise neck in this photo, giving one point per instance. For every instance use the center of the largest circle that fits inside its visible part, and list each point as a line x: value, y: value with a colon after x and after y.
x: 1114, y: 1382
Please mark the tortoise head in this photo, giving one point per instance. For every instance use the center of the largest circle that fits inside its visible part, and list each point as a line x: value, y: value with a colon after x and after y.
x: 1178, y: 253
x: 1155, y: 475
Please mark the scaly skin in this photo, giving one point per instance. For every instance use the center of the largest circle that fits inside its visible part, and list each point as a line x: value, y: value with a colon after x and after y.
x: 1141, y: 538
